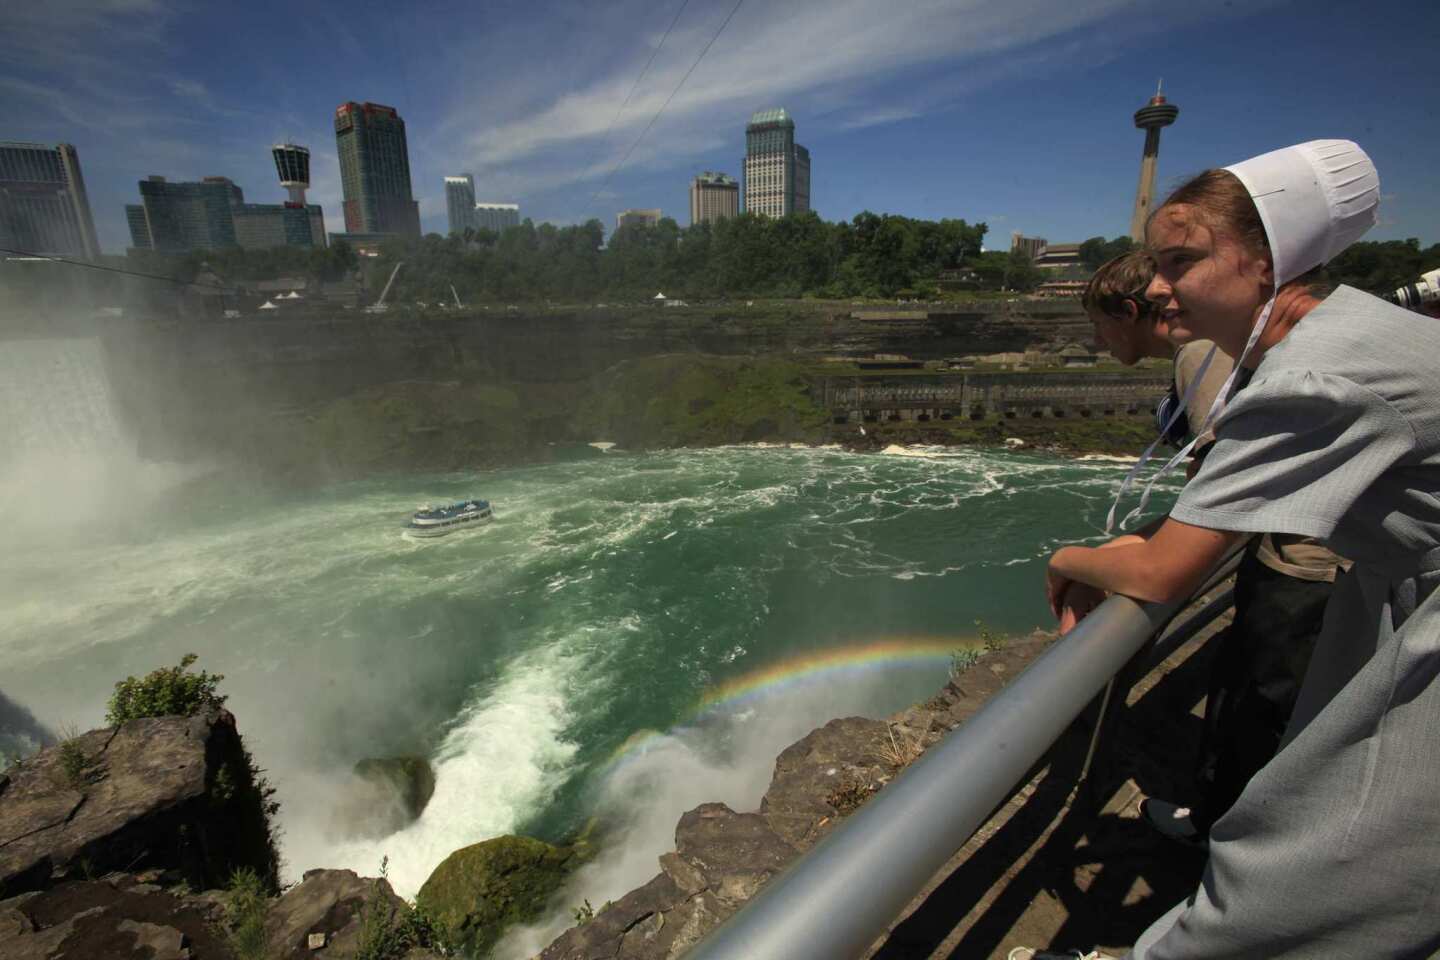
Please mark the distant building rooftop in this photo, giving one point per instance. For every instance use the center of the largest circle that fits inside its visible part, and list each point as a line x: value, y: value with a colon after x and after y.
x: 773, y: 115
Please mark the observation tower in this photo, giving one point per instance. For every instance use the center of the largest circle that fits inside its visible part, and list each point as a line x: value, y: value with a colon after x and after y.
x: 1151, y: 118
x: 292, y: 163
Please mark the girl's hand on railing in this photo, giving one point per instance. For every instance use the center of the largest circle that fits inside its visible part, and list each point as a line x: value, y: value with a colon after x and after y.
x: 1079, y: 599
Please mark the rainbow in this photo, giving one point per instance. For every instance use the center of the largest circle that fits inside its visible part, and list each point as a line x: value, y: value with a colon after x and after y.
x: 799, y: 670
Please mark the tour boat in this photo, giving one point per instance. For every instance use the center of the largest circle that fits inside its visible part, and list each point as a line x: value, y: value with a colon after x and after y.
x: 437, y: 521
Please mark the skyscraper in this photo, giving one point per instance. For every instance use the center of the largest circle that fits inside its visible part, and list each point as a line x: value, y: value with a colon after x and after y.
x: 43, y: 205
x: 178, y: 217
x: 777, y: 169
x: 460, y: 202
x: 713, y: 196
x: 637, y: 218
x: 1152, y: 118
x: 375, y: 170
x: 496, y: 216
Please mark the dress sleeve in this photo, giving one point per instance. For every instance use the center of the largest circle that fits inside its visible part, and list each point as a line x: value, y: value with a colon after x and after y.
x: 1294, y: 452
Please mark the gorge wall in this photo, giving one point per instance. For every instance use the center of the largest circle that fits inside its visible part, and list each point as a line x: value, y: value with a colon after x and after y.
x: 335, y: 392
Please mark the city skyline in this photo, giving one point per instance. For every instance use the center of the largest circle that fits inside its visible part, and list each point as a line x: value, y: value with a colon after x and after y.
x: 1017, y: 117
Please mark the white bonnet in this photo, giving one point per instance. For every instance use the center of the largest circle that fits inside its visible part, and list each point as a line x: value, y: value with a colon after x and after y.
x: 1315, y: 199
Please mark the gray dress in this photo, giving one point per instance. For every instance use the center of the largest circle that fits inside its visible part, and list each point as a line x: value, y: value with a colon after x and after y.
x: 1333, y: 849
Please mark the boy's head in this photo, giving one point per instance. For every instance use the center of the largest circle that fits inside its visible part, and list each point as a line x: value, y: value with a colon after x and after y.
x: 1115, y: 303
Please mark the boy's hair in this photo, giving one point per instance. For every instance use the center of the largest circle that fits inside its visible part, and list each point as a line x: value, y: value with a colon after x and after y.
x: 1119, y: 280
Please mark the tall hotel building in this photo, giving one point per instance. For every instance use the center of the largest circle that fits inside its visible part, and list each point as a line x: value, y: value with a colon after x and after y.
x: 43, y: 205
x: 375, y: 170
x: 496, y: 216
x: 460, y: 202
x: 777, y: 169
x: 713, y: 196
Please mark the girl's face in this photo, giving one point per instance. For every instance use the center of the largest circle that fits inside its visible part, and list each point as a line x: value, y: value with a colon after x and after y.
x: 1207, y: 286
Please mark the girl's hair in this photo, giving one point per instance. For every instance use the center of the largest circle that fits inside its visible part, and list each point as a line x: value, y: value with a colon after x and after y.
x: 1119, y: 280
x: 1224, y: 206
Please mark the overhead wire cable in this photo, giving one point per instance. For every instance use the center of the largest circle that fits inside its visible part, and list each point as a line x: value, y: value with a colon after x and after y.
x: 706, y: 49
x: 633, y: 87
x: 128, y: 273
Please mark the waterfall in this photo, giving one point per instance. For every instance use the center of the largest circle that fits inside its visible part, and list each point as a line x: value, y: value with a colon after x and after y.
x: 55, y: 401
x: 67, y: 463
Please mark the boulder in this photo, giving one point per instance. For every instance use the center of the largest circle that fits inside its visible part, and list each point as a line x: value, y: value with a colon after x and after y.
x: 173, y: 793
x: 387, y: 794
x: 116, y: 918
x: 322, y: 916
x: 735, y: 853
x: 825, y: 775
x: 479, y: 890
x: 410, y: 777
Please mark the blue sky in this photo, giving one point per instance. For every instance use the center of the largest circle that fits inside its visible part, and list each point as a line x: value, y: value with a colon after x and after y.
x: 1015, y: 113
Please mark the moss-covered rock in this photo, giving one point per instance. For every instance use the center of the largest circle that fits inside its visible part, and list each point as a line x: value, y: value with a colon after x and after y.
x: 411, y: 779
x: 480, y: 890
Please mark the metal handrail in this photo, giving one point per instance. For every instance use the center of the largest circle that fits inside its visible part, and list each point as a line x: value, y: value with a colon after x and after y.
x: 842, y: 895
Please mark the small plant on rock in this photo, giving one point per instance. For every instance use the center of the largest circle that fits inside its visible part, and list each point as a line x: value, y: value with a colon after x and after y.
x: 900, y: 751
x: 75, y: 763
x: 245, y: 909
x: 388, y: 932
x: 992, y: 642
x: 849, y: 796
x: 584, y: 914
x: 963, y: 659
x: 166, y: 692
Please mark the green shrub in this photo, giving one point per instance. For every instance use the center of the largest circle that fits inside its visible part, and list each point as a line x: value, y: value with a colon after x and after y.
x: 245, y: 909
x: 166, y: 692
x: 963, y: 659
x: 992, y: 642
x: 584, y: 914
x: 388, y: 932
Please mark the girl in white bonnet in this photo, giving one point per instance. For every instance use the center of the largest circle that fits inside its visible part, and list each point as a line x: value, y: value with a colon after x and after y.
x: 1333, y: 849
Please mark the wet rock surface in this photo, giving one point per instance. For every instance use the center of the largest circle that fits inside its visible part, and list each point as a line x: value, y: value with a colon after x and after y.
x: 119, y: 917
x: 325, y: 909
x: 168, y: 792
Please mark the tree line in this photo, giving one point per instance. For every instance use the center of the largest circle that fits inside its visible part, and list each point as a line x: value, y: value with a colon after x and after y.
x: 871, y: 256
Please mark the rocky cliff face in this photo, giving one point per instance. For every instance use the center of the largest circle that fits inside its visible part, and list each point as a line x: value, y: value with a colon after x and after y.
x: 168, y: 793
x: 722, y: 858
x: 338, y: 394
x: 106, y: 837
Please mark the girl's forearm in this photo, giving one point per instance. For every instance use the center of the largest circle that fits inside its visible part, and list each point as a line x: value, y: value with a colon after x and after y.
x: 1171, y: 564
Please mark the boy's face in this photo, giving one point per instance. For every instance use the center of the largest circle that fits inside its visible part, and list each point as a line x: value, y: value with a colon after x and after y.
x: 1123, y: 336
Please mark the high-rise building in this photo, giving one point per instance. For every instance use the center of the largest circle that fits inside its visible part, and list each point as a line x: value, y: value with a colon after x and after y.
x: 496, y: 216
x: 1032, y: 247
x: 460, y: 202
x: 375, y: 170
x: 260, y: 226
x: 180, y: 217
x: 637, y: 218
x: 1152, y: 118
x: 713, y: 196
x: 777, y: 169
x: 43, y: 205
x: 139, y: 226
